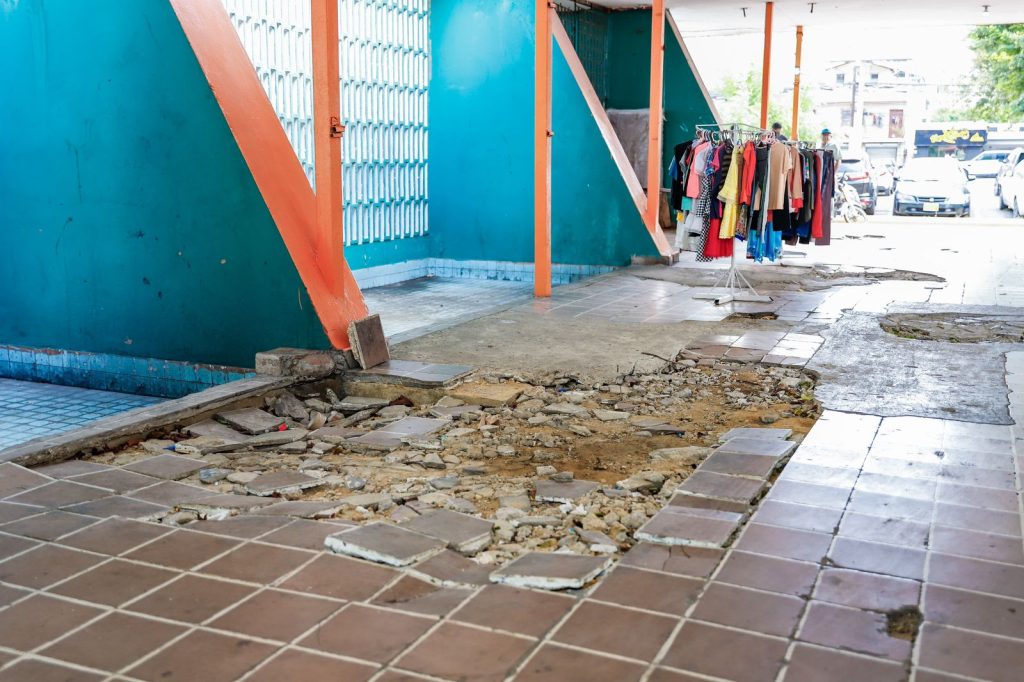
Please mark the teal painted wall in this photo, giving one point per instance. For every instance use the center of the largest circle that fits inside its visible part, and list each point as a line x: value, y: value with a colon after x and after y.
x: 629, y: 50
x: 481, y: 148
x: 131, y: 224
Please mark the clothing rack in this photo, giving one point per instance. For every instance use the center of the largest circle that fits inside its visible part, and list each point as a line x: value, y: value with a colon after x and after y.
x: 736, y: 286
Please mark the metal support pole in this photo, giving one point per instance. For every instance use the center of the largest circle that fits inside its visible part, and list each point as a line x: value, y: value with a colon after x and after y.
x: 766, y: 64
x: 794, y: 133
x: 329, y: 242
x: 655, y: 114
x: 542, y: 153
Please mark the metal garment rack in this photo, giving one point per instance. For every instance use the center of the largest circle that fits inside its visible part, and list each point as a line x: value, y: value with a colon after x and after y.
x: 736, y: 286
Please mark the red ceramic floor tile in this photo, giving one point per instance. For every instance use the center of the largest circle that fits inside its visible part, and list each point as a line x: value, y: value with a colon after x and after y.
x: 878, y: 558
x: 798, y: 516
x: 39, y: 619
x: 900, y: 486
x: 296, y: 665
x: 182, y: 549
x: 418, y: 596
x: 10, y: 511
x: 14, y: 544
x: 370, y: 634
x: 787, y: 543
x: 272, y: 614
x: 871, y: 591
x: 556, y: 664
x: 257, y: 563
x: 191, y: 599
x: 986, y: 546
x: 696, y: 562
x: 44, y: 565
x: 853, y: 630
x: 116, y: 480
x: 978, y: 575
x: 114, y: 536
x: 891, y: 531
x: 203, y: 656
x: 29, y: 670
x: 648, y: 590
x: 763, y: 612
x: 768, y: 573
x: 976, y: 475
x: 48, y: 526
x: 814, y: 664
x: 114, y: 582
x: 972, y: 611
x: 891, y: 506
x: 727, y: 654
x: 59, y: 494
x: 304, y: 534
x: 615, y: 630
x: 340, y: 578
x: 908, y: 468
x: 113, y: 642
x: 976, y: 655
x: 836, y: 477
x: 242, y: 526
x: 809, y: 494
x: 466, y: 654
x: 527, y: 612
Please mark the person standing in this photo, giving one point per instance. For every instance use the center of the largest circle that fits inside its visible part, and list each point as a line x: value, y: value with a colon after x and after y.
x: 828, y: 145
x: 777, y: 129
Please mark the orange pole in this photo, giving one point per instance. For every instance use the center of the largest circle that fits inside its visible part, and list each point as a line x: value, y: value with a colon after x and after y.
x: 793, y: 130
x: 766, y: 65
x: 542, y: 153
x: 654, y: 122
x: 329, y: 241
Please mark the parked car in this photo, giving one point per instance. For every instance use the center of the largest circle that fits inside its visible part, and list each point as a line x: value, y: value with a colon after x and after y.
x: 858, y: 172
x: 986, y: 164
x: 884, y: 178
x: 932, y: 186
x: 1015, y: 156
x: 1013, y: 190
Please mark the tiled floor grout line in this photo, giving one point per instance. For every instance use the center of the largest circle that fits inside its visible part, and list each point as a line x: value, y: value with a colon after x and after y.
x: 542, y: 641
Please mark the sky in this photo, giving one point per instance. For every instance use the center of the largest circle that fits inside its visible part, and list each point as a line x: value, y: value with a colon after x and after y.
x: 940, y: 54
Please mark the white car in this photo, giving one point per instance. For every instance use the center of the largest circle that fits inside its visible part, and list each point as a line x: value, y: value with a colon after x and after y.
x: 1013, y: 190
x: 1015, y: 156
x: 986, y: 164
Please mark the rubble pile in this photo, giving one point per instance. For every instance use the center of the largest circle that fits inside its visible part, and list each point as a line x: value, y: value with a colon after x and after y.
x: 545, y: 465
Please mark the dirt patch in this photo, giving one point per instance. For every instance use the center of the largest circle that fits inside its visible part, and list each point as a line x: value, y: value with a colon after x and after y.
x: 903, y: 623
x: 956, y: 328
x: 754, y: 316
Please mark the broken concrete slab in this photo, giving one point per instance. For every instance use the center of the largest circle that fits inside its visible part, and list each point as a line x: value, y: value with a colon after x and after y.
x: 365, y: 500
x: 551, y: 571
x: 611, y: 415
x: 567, y: 410
x: 453, y: 412
x: 597, y: 541
x: 723, y: 487
x: 688, y: 455
x: 251, y: 420
x: 220, y: 507
x: 488, y: 394
x: 768, y: 447
x: 168, y: 467
x: 274, y: 438
x: 287, y: 405
x: 685, y: 500
x: 336, y: 434
x: 756, y: 466
x: 369, y: 345
x: 749, y: 432
x: 279, y: 482
x: 465, y: 534
x: 352, y: 404
x: 214, y: 429
x: 295, y: 362
x: 553, y: 491
x: 304, y: 509
x: 384, y: 543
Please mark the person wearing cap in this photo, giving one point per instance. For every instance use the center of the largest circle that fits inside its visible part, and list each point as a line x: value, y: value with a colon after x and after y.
x: 828, y: 145
x: 777, y: 129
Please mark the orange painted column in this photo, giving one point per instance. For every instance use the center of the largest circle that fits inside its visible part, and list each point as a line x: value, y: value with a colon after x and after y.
x: 274, y: 166
x: 329, y: 243
x: 654, y: 122
x: 766, y: 65
x: 794, y: 128
x: 542, y: 153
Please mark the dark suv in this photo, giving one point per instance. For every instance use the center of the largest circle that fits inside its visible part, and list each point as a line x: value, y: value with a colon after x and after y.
x: 860, y: 175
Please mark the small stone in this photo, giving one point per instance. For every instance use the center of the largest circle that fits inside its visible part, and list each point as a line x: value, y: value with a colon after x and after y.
x: 520, y: 501
x: 242, y: 477
x: 293, y: 448
x: 314, y: 464
x: 355, y: 483
x: 579, y: 430
x: 449, y: 401
x: 546, y: 470
x: 451, y: 459
x: 444, y: 483
x: 538, y: 521
x: 394, y: 412
x: 287, y: 405
x: 399, y: 456
x: 562, y: 476
x: 506, y: 451
x: 157, y: 446
x: 474, y: 471
x: 366, y: 500
x: 179, y: 518
x: 457, y: 433
x: 316, y: 420
x: 537, y: 420
x: 597, y: 541
x: 610, y: 415
x: 432, y: 460
x: 687, y: 455
x: 567, y: 409
x: 209, y: 476
x: 318, y: 405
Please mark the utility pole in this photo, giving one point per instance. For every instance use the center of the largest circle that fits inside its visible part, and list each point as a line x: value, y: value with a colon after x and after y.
x: 855, y: 124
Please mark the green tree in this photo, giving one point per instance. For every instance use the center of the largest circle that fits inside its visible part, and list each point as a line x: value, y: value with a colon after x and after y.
x: 739, y: 101
x: 998, y: 72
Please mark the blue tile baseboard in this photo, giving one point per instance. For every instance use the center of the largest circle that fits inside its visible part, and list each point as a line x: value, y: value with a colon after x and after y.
x: 381, y: 275
x: 109, y: 372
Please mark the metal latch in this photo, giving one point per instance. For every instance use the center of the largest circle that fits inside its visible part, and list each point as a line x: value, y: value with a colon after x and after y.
x: 337, y: 129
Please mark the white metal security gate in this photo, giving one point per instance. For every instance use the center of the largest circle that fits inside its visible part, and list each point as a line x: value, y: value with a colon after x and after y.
x: 385, y: 71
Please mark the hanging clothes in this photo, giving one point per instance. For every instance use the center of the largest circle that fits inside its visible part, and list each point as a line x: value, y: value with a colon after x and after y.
x: 729, y: 195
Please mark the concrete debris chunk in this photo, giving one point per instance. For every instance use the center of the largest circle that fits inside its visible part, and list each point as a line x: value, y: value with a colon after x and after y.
x: 771, y: 447
x: 551, y: 571
x: 454, y: 412
x: 213, y: 475
x: 519, y: 501
x: 251, y: 420
x: 352, y: 404
x: 611, y: 415
x: 489, y: 395
x: 336, y: 434
x: 366, y: 500
x: 567, y: 409
x: 384, y: 543
x: 214, y: 429
x: 553, y: 491
x: 287, y: 405
x: 463, y: 533
x: 689, y: 455
x: 168, y: 467
x: 273, y: 438
x: 680, y: 526
x: 451, y: 569
x: 449, y: 401
x: 304, y: 509
x: 597, y: 541
x: 280, y: 482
